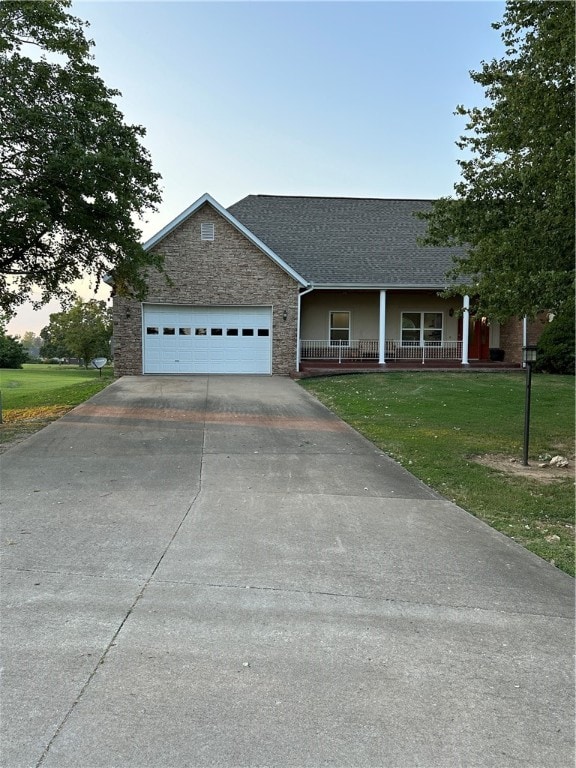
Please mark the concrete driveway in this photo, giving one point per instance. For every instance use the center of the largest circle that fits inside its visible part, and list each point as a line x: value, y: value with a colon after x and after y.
x: 216, y: 571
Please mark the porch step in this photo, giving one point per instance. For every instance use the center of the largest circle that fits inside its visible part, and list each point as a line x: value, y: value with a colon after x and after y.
x: 329, y: 368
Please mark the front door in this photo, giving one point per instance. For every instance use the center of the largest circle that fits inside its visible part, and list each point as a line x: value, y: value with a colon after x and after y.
x: 478, y: 338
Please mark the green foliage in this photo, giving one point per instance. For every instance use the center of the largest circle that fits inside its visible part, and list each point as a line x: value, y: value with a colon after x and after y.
x: 514, y: 205
x: 556, y: 345
x: 52, y: 348
x: 436, y: 424
x: 83, y: 331
x: 31, y: 343
x: 12, y: 353
x: 73, y: 175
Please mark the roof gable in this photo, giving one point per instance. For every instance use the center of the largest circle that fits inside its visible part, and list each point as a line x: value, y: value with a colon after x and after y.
x: 231, y: 219
x: 369, y: 242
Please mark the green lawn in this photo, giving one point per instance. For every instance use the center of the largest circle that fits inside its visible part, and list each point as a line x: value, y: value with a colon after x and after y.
x: 36, y: 394
x: 435, y: 424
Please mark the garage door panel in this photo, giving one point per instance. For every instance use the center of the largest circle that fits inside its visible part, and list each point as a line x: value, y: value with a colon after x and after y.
x: 207, y: 339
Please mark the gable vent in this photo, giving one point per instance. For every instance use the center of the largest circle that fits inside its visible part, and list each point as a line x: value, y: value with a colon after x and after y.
x: 206, y: 231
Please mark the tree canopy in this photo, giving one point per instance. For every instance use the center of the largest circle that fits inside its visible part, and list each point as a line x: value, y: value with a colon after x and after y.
x: 83, y: 331
x: 514, y: 205
x: 73, y: 176
x: 31, y: 343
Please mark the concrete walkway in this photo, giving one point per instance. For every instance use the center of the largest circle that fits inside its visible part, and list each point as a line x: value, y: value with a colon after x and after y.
x: 216, y: 571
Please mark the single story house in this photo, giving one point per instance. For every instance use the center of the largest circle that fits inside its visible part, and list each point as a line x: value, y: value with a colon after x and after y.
x: 274, y: 282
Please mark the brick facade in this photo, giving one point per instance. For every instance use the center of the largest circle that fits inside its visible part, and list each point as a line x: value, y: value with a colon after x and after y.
x: 511, y: 337
x: 229, y: 270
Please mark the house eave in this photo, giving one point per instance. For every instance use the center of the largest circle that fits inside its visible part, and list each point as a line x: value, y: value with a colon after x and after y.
x: 206, y: 198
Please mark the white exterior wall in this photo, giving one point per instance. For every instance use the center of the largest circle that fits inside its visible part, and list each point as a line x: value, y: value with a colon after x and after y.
x: 363, y: 308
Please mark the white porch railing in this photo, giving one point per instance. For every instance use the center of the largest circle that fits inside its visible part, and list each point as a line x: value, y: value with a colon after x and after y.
x: 432, y: 350
x: 367, y: 349
x: 322, y: 349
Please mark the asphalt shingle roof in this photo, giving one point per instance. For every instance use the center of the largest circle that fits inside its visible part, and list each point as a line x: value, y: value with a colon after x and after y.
x: 339, y: 240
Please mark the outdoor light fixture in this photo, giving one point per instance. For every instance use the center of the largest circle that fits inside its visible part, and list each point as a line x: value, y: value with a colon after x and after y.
x: 451, y: 311
x: 528, y: 357
x: 284, y: 315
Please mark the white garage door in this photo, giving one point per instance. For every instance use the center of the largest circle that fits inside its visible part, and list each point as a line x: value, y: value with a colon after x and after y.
x: 181, y: 339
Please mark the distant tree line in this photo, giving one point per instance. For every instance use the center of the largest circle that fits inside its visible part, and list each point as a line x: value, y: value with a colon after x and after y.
x: 83, y: 332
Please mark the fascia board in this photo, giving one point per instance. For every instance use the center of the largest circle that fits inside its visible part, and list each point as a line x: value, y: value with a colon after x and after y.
x: 206, y: 198
x: 165, y: 231
x: 377, y: 287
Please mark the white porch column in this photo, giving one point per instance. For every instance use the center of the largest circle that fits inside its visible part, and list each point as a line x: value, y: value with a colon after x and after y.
x: 524, y: 337
x: 465, y: 329
x: 382, y: 330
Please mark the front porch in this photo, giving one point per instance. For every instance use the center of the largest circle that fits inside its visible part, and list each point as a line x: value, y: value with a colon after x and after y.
x: 407, y: 328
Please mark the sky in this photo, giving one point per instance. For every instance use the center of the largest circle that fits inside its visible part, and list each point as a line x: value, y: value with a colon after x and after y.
x: 351, y: 99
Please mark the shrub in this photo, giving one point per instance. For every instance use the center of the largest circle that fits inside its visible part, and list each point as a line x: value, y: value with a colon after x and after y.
x: 556, y: 345
x: 12, y: 353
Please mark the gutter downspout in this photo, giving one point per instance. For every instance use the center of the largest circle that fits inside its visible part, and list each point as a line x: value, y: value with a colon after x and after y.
x: 308, y: 290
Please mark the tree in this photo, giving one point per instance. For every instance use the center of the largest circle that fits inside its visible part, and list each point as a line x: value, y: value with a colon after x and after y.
x: 52, y: 347
x: 514, y: 205
x: 12, y: 353
x: 556, y: 346
x: 84, y: 331
x: 31, y: 343
x: 73, y: 175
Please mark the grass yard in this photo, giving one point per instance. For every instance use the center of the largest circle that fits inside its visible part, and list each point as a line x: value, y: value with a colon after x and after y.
x: 37, y: 394
x: 441, y: 426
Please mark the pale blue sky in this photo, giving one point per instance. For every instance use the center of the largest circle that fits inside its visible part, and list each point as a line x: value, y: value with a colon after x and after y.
x: 303, y: 98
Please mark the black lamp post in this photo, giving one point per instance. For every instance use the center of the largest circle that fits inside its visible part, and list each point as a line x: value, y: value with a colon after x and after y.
x: 528, y: 357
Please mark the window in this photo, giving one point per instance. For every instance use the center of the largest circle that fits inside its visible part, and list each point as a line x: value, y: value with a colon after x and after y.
x: 206, y: 231
x: 184, y: 331
x: 231, y: 331
x: 420, y: 329
x: 152, y: 331
x: 263, y: 332
x: 411, y: 329
x: 200, y: 331
x: 247, y: 331
x: 432, y: 328
x: 340, y: 328
x: 215, y: 331
x: 169, y: 331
